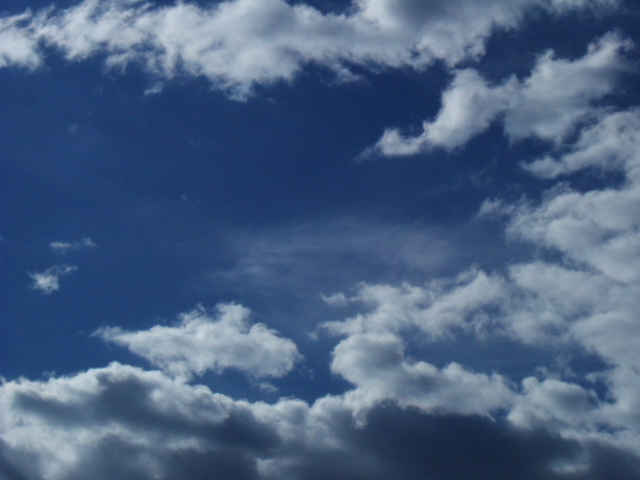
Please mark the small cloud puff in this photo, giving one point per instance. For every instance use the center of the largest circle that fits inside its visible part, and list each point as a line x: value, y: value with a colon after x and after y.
x: 49, y: 281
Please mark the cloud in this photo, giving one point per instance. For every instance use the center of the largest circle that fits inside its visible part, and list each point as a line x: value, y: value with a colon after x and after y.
x: 437, y: 308
x: 124, y: 422
x: 608, y: 145
x: 64, y: 247
x: 599, y: 228
x: 120, y: 421
x: 375, y: 363
x: 241, y: 43
x: 201, y: 342
x: 581, y: 294
x: 557, y: 96
x: 469, y: 106
x: 49, y: 280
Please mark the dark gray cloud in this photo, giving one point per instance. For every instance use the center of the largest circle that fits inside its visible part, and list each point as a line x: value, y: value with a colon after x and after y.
x: 123, y: 426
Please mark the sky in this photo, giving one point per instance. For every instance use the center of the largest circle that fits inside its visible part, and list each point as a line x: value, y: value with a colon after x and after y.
x: 320, y: 239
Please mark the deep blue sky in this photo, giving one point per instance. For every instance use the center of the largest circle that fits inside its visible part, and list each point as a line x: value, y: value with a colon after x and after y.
x: 165, y: 191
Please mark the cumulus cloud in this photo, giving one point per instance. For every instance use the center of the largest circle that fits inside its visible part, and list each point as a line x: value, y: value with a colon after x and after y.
x: 436, y: 308
x: 66, y: 427
x: 124, y: 422
x: 557, y: 95
x: 376, y: 364
x: 598, y: 228
x: 607, y: 145
x: 201, y: 342
x: 64, y: 247
x: 240, y: 43
x: 49, y: 281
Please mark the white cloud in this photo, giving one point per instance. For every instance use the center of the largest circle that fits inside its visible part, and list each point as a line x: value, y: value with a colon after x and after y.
x: 201, y: 342
x: 124, y: 422
x: 240, y: 43
x: 608, y: 145
x: 469, y: 106
x: 64, y: 247
x: 49, y: 280
x: 17, y: 44
x: 597, y: 229
x: 375, y: 363
x: 586, y: 299
x: 550, y: 402
x: 64, y: 427
x: 557, y: 95
x: 437, y: 309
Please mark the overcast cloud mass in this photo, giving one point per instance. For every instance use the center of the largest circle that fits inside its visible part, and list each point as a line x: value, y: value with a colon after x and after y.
x: 320, y: 239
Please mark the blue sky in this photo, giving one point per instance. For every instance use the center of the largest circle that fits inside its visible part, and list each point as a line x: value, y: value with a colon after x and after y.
x: 260, y: 239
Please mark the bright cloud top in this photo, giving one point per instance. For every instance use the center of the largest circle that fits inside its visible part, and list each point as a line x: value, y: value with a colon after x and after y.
x: 201, y: 342
x: 48, y: 281
x: 240, y: 43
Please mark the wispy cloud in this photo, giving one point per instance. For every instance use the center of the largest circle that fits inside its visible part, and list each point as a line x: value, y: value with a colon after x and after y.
x: 64, y: 247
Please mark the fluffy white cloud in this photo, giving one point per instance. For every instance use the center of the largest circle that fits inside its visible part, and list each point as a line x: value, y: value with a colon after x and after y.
x: 49, y: 281
x: 557, y: 95
x: 597, y: 229
x: 201, y: 342
x: 239, y: 43
x: 560, y: 93
x: 469, y: 106
x: 608, y: 145
x: 376, y: 364
x: 436, y: 308
x: 17, y: 45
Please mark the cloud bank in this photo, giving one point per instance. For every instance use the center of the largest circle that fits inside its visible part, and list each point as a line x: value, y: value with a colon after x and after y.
x: 241, y: 43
